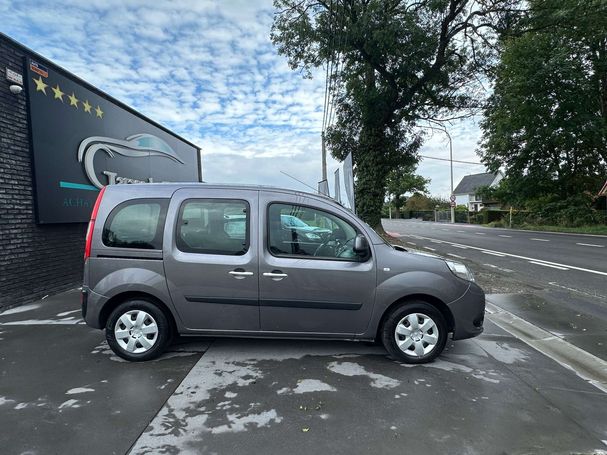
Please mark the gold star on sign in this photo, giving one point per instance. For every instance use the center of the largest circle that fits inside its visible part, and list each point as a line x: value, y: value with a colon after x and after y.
x: 40, y: 85
x: 58, y: 93
x: 73, y: 100
x: 87, y: 106
x: 99, y: 112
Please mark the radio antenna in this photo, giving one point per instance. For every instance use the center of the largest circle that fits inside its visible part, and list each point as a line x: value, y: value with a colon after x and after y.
x: 297, y: 180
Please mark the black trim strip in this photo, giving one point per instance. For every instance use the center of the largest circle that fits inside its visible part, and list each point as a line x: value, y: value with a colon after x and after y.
x: 222, y: 300
x: 278, y: 303
x: 111, y: 256
x: 311, y: 304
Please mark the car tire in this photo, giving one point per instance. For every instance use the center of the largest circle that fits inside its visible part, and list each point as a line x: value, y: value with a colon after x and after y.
x: 414, y: 332
x: 138, y: 330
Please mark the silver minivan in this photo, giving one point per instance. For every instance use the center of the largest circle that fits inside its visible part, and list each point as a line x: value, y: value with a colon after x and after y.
x: 249, y: 261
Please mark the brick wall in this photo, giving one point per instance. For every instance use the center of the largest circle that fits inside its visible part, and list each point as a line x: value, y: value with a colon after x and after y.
x: 35, y: 260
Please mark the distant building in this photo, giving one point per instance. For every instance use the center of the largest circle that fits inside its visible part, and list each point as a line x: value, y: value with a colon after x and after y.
x: 465, y: 192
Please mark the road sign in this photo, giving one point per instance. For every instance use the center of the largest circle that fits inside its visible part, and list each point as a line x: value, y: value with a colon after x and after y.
x: 452, y: 203
x: 452, y: 198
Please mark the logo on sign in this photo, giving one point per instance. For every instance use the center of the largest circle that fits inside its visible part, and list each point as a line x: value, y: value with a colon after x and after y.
x: 136, y: 146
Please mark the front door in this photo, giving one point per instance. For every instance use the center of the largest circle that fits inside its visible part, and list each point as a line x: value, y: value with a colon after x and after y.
x: 210, y: 258
x: 311, y: 281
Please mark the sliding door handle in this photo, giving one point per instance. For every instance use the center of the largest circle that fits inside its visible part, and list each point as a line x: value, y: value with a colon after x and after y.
x: 240, y: 274
x: 275, y: 274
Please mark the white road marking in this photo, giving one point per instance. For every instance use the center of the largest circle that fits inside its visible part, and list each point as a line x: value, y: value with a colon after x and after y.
x: 411, y: 243
x: 595, y: 295
x: 455, y: 256
x: 549, y: 265
x: 461, y: 231
x: 539, y: 240
x: 437, y: 241
x: 428, y: 248
x: 590, y: 244
x: 445, y: 230
x: 505, y: 236
x: 494, y: 254
x: 581, y: 269
x: 499, y: 268
x: 480, y: 233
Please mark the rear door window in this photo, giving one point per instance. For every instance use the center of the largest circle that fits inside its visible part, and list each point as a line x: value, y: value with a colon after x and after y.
x: 213, y: 226
x: 138, y: 223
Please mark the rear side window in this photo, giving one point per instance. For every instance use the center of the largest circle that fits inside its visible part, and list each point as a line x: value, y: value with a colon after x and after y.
x: 213, y: 226
x: 138, y: 223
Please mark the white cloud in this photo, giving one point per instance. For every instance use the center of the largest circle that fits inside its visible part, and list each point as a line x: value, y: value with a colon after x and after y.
x: 208, y: 71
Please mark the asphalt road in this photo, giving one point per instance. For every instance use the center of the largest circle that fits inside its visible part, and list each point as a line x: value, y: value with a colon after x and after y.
x: 577, y: 262
x: 562, y: 278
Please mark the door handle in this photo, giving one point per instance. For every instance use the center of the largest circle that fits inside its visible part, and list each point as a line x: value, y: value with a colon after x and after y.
x: 240, y: 274
x: 275, y: 274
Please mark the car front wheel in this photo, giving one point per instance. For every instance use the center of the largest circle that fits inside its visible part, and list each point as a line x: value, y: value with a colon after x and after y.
x: 138, y: 330
x: 414, y: 332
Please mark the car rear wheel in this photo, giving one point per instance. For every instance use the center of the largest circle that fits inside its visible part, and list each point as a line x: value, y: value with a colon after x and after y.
x: 414, y: 332
x: 138, y: 330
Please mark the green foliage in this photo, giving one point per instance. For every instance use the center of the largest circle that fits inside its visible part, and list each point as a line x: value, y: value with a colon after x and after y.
x: 399, y: 63
x: 420, y: 202
x: 546, y: 122
x: 402, y: 181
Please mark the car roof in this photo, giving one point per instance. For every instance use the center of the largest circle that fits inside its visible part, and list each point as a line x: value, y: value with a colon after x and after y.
x: 171, y: 187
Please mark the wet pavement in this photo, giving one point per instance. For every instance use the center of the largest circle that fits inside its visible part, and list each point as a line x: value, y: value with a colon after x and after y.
x: 62, y: 391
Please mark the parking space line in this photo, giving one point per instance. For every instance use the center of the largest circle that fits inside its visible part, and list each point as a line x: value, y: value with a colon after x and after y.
x: 428, y: 248
x: 549, y: 265
x: 505, y: 236
x: 539, y: 240
x: 460, y: 246
x: 591, y: 244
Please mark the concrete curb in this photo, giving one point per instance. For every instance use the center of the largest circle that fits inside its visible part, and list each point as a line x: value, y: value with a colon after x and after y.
x: 584, y: 364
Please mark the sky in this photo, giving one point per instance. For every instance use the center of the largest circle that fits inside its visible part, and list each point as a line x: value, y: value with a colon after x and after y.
x: 207, y: 70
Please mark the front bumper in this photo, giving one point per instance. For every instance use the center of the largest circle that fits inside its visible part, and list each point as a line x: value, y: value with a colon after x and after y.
x: 468, y: 313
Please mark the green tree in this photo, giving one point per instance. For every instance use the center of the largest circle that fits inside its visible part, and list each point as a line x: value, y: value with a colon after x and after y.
x: 546, y: 122
x: 422, y: 202
x: 398, y: 62
x: 401, y: 181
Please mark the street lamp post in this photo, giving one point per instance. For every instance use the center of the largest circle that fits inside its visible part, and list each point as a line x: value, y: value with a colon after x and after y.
x: 451, y: 166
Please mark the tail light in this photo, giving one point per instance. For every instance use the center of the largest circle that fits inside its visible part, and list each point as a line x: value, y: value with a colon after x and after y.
x: 91, y: 227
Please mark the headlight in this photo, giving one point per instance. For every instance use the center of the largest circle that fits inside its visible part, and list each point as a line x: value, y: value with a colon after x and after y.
x: 460, y: 270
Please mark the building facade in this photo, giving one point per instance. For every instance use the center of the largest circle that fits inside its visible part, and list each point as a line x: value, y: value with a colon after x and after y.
x: 62, y: 139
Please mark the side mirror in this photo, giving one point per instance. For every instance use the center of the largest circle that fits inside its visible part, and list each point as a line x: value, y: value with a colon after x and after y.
x: 361, y: 246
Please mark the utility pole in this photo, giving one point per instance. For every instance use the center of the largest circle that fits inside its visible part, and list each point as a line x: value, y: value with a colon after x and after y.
x: 324, y: 158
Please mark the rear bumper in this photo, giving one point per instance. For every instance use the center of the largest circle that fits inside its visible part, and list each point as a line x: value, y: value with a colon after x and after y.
x: 92, y: 304
x: 468, y: 313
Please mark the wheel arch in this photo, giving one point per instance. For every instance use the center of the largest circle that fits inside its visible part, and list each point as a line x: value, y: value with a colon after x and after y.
x: 435, y: 302
x: 116, y: 300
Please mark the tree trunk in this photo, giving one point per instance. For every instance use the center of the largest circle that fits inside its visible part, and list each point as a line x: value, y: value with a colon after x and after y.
x: 371, y: 175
